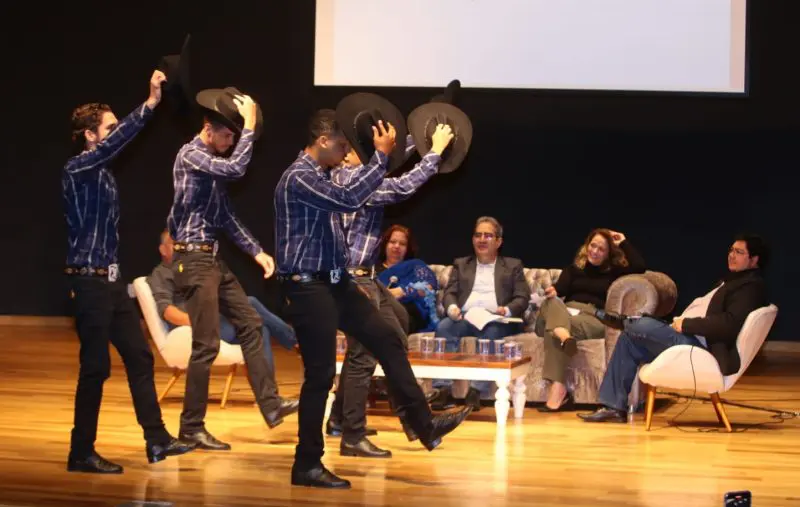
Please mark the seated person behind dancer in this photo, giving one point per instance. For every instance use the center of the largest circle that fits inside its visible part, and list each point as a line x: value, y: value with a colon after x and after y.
x: 485, y: 280
x: 712, y: 322
x: 362, y: 229
x: 568, y: 313
x: 409, y: 279
x: 172, y: 307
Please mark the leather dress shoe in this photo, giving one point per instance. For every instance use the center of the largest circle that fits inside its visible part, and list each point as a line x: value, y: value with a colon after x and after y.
x: 287, y: 407
x: 174, y: 447
x: 93, y: 464
x: 411, y: 435
x: 444, y: 400
x: 334, y: 429
x: 605, y: 414
x: 318, y: 477
x: 473, y: 399
x: 611, y: 319
x: 204, y: 440
x: 443, y: 424
x: 363, y: 449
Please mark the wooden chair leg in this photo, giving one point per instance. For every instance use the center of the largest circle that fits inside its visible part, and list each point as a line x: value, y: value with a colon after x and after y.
x: 228, y: 382
x: 650, y: 403
x: 176, y: 373
x: 719, y: 408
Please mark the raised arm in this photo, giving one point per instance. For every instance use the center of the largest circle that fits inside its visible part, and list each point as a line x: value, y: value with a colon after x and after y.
x: 124, y: 132
x: 316, y: 191
x: 395, y: 190
x: 233, y: 167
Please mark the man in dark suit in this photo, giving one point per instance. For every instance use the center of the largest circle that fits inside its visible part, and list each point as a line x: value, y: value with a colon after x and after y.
x: 712, y: 322
x: 484, y: 281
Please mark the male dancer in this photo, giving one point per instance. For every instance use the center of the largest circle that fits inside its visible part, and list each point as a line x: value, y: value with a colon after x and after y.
x: 201, y: 209
x: 103, y: 310
x: 362, y: 232
x: 312, y: 256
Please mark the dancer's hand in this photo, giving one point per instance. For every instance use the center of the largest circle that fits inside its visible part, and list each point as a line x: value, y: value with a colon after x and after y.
x: 501, y: 310
x: 267, y: 263
x: 617, y: 237
x: 384, y: 139
x: 441, y: 138
x: 550, y: 292
x: 454, y: 312
x: 156, y: 79
x: 248, y: 109
x: 677, y: 324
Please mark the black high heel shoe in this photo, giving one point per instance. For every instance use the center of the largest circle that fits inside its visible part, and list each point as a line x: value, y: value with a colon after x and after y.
x: 568, y: 403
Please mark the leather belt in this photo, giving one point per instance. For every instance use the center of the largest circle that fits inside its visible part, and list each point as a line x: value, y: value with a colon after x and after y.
x: 363, y: 271
x: 111, y: 272
x: 333, y: 276
x: 211, y: 248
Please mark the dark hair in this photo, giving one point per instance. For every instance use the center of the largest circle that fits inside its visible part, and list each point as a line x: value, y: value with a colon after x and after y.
x: 756, y: 247
x: 323, y: 123
x: 86, y: 117
x: 411, y: 249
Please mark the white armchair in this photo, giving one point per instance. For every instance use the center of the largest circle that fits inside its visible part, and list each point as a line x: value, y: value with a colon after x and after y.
x: 175, y: 346
x: 687, y: 367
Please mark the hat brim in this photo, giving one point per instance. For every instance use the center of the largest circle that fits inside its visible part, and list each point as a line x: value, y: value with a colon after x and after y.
x: 176, y: 68
x: 219, y: 105
x: 422, y: 123
x: 357, y: 113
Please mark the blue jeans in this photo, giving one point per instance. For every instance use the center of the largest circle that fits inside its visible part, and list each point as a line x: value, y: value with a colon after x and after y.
x: 454, y: 330
x: 641, y: 342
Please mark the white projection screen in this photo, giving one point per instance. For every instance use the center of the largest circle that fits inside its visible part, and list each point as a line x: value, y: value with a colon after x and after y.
x: 638, y: 45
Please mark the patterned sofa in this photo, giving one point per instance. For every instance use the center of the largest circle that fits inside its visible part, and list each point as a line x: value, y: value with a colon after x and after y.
x: 651, y: 292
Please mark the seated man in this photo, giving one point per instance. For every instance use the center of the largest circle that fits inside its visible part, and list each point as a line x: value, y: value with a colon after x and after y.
x: 171, y: 306
x: 712, y: 322
x: 488, y: 281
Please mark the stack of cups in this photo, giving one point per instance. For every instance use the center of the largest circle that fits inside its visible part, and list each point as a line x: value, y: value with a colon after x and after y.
x: 498, y: 347
x: 483, y: 346
x: 426, y: 345
x: 439, y: 345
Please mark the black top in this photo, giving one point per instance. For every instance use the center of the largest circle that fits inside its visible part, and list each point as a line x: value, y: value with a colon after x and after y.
x: 742, y: 292
x: 590, y: 284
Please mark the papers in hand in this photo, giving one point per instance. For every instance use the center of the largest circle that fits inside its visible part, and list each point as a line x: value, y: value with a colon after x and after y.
x: 479, y: 317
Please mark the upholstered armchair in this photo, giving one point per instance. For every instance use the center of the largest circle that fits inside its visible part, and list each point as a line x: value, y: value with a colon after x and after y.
x: 650, y: 292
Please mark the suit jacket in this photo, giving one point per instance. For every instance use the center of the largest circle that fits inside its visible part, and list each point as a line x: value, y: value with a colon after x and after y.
x: 742, y: 292
x: 510, y: 287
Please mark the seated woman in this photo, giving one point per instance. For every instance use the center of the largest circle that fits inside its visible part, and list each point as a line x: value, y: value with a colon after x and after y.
x: 605, y: 256
x: 409, y: 279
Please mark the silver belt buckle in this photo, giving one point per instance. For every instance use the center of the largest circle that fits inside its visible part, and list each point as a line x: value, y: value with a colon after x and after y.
x: 336, y: 275
x: 113, y: 272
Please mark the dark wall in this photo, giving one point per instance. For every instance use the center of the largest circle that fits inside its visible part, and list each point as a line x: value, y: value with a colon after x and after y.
x: 678, y: 174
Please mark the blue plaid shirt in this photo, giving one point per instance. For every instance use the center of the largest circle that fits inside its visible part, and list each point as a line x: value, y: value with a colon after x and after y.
x: 91, y: 200
x: 308, y: 207
x: 363, y: 227
x: 201, y: 206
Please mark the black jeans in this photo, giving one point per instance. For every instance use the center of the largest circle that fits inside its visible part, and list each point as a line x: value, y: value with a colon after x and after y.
x: 317, y: 309
x: 350, y: 405
x: 210, y: 288
x: 104, y: 313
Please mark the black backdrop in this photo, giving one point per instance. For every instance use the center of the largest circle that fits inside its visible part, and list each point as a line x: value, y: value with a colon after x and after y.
x: 678, y: 174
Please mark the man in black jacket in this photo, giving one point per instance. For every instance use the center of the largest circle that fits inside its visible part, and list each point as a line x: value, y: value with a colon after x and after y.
x: 712, y: 322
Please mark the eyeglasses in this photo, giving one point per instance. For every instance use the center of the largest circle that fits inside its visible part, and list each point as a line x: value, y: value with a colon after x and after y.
x: 737, y: 251
x: 487, y: 235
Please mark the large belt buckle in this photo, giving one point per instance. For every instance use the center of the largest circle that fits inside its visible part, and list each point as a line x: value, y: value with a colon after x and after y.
x: 336, y: 275
x: 113, y: 272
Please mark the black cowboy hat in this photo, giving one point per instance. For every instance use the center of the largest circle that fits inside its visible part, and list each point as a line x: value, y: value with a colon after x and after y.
x: 422, y: 124
x: 451, y: 93
x: 176, y: 70
x: 357, y: 113
x: 218, y: 104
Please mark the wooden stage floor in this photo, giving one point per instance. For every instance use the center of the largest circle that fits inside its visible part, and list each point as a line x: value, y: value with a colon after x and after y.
x: 545, y: 459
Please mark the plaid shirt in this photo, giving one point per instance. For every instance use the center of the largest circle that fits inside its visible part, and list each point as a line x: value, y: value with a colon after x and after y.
x: 201, y: 206
x: 308, y: 207
x: 91, y: 199
x: 363, y: 227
